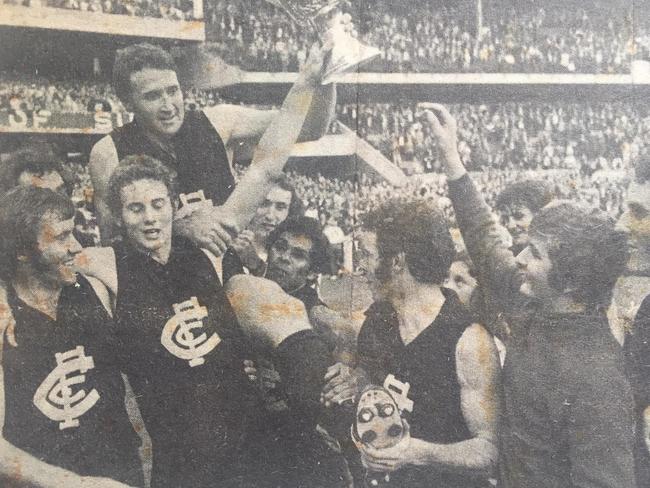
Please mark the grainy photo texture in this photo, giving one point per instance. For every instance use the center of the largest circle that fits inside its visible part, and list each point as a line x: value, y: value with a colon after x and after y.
x: 325, y: 243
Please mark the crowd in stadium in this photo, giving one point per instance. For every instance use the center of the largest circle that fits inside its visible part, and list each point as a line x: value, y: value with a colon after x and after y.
x: 165, y: 9
x: 33, y: 93
x: 516, y: 135
x: 328, y: 199
x: 530, y: 135
x: 260, y: 37
x: 325, y: 198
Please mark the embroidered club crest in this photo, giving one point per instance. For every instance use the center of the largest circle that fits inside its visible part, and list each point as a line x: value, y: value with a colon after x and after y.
x: 55, y: 397
x: 183, y: 335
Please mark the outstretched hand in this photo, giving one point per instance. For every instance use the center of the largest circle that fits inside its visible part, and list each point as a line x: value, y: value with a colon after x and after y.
x: 211, y: 228
x: 445, y: 131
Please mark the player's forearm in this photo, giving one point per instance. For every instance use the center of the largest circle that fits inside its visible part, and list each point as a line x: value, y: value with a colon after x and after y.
x: 496, y: 264
x: 105, y: 222
x: 454, y: 168
x: 99, y: 263
x: 321, y: 113
x: 272, y: 152
x: 476, y: 456
x: 277, y: 142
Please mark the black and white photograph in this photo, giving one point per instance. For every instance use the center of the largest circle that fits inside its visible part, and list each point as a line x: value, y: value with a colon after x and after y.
x: 325, y: 243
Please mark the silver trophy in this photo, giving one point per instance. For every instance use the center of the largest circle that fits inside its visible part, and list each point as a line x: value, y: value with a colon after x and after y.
x: 323, y: 17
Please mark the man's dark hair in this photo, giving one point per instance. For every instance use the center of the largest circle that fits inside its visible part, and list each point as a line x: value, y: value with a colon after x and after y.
x: 135, y: 168
x: 39, y: 158
x: 21, y: 212
x: 319, y: 256
x: 586, y: 251
x: 417, y: 229
x: 296, y: 208
x: 642, y: 169
x: 135, y: 58
x: 532, y: 194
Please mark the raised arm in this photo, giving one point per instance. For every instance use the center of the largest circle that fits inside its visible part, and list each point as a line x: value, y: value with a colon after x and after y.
x: 237, y: 124
x: 276, y: 144
x: 497, y: 269
x: 478, y: 373
x: 240, y: 124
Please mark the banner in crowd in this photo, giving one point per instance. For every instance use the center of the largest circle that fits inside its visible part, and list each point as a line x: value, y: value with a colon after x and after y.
x: 43, y: 120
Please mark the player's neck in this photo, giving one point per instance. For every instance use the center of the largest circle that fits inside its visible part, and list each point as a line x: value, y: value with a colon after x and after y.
x: 417, y: 308
x: 162, y: 141
x: 162, y: 254
x: 39, y: 294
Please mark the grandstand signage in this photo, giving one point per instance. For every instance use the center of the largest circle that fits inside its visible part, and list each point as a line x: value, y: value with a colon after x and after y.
x: 63, y: 122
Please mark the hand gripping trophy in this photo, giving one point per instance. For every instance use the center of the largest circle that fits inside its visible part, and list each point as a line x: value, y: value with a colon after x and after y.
x: 324, y: 17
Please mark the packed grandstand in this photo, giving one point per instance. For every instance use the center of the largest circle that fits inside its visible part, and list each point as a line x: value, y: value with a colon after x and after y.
x: 584, y: 148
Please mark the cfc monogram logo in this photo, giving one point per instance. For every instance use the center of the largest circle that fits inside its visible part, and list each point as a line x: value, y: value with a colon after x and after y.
x: 181, y: 337
x: 55, y: 398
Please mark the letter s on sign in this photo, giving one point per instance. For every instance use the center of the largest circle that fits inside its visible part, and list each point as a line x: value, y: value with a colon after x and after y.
x: 18, y: 119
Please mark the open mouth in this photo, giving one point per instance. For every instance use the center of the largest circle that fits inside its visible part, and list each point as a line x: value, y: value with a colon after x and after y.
x: 268, y: 226
x: 152, y: 233
x: 168, y: 120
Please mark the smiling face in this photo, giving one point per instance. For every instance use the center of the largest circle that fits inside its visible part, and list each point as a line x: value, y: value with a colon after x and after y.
x: 147, y: 215
x: 289, y: 263
x: 516, y: 218
x: 273, y: 211
x: 56, y: 250
x: 157, y: 101
x: 536, y: 266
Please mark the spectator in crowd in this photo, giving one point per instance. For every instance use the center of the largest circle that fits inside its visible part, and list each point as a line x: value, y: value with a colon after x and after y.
x: 166, y: 9
x: 585, y: 137
x: 261, y: 37
x: 29, y: 93
x: 516, y: 206
x: 36, y: 164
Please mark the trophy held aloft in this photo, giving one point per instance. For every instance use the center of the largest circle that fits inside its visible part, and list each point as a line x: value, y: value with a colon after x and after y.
x: 324, y: 17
